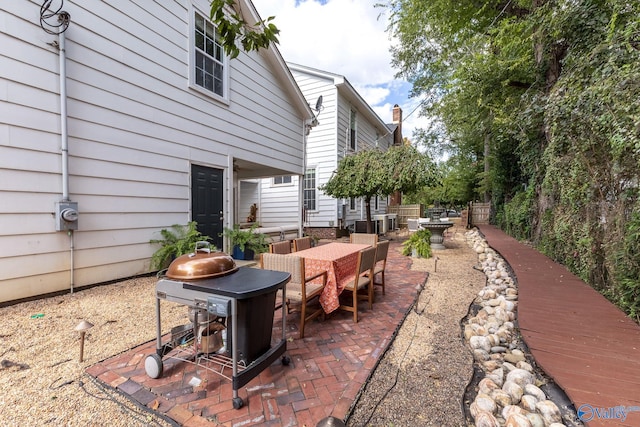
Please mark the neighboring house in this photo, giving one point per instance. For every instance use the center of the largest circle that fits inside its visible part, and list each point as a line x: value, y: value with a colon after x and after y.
x: 139, y: 122
x: 347, y: 124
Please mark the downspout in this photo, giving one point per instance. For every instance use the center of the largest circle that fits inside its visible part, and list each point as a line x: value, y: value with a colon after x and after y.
x: 306, y: 128
x: 307, y: 125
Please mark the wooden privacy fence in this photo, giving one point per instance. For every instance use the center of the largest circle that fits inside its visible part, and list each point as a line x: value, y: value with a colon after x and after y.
x: 404, y: 212
x: 480, y: 212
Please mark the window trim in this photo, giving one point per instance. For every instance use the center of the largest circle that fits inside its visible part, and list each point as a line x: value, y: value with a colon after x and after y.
x: 282, y: 184
x: 315, y: 189
x: 353, y: 130
x: 192, y: 61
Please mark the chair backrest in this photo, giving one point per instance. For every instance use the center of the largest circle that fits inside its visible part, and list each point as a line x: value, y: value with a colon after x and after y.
x: 283, y: 247
x: 301, y: 243
x: 367, y: 260
x: 364, y: 238
x: 382, y: 249
x: 412, y: 224
x: 288, y: 263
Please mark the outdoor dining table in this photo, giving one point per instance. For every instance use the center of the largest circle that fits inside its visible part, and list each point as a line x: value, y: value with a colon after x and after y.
x: 339, y: 260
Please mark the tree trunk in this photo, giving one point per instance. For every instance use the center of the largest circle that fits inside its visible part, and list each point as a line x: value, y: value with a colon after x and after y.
x: 367, y: 205
x: 548, y: 54
x: 487, y: 142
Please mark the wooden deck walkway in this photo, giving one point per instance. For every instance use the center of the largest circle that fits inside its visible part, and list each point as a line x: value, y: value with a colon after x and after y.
x: 586, y: 344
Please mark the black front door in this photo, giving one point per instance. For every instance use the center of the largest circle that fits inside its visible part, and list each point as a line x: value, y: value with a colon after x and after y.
x: 207, y: 202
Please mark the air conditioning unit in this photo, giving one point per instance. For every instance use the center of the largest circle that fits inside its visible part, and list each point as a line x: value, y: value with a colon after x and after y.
x: 361, y: 226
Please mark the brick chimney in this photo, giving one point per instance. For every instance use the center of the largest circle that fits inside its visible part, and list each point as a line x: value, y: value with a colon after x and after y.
x: 396, y: 198
x: 397, y: 120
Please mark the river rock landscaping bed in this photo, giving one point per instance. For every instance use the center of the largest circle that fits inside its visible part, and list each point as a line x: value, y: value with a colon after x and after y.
x: 507, y: 389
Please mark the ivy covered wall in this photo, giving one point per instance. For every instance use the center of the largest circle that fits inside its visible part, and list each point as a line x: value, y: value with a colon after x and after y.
x: 541, y: 99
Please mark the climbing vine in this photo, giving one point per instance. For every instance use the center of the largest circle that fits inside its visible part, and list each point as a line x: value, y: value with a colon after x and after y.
x: 544, y: 97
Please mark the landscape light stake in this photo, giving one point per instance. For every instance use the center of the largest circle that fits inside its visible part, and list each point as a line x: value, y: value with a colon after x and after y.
x: 83, y: 327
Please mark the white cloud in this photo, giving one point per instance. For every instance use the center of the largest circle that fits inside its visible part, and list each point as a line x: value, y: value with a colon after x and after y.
x: 346, y: 37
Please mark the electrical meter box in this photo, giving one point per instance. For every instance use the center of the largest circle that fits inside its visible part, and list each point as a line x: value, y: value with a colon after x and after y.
x: 66, y: 216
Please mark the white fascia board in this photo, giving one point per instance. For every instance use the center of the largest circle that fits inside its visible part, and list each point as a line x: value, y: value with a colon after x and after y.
x: 347, y: 91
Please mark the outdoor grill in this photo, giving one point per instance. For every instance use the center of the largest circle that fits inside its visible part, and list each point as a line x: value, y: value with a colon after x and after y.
x: 242, y: 299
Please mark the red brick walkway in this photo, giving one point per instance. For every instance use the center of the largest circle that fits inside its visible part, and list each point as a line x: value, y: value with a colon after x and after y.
x: 327, y: 371
x: 581, y: 340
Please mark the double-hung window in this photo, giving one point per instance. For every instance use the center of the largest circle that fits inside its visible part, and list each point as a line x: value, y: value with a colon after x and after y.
x: 309, y: 190
x: 352, y: 203
x: 352, y: 130
x: 209, y: 63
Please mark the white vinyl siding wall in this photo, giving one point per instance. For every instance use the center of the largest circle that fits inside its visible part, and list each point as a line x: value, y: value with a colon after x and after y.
x: 134, y: 128
x: 279, y: 204
x: 322, y: 144
x: 327, y: 143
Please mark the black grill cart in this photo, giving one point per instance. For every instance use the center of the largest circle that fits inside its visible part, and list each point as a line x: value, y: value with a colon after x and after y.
x: 245, y: 301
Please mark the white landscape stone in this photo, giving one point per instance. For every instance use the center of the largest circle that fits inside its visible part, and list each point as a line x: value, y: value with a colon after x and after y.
x: 535, y: 391
x: 528, y: 402
x: 518, y: 420
x: 485, y: 419
x: 549, y: 412
x: 485, y: 403
x: 535, y: 419
x: 513, y: 390
x: 521, y: 377
x: 510, y: 410
x: 509, y: 382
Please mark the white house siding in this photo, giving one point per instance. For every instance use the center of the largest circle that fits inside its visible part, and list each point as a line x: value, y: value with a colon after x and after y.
x: 248, y: 194
x: 279, y: 204
x: 327, y: 143
x: 135, y: 128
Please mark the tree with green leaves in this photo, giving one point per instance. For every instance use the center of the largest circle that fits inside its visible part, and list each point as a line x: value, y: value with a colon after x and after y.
x: 232, y: 27
x: 544, y: 93
x: 375, y: 172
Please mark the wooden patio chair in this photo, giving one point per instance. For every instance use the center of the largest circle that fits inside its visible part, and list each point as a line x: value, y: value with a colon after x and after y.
x: 283, y: 247
x: 412, y: 225
x: 301, y: 243
x: 364, y: 238
x: 382, y: 250
x: 298, y: 290
x: 361, y: 287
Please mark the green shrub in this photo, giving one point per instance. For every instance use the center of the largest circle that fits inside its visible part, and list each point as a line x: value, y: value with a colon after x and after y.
x: 420, y: 241
x: 177, y: 240
x: 246, y: 238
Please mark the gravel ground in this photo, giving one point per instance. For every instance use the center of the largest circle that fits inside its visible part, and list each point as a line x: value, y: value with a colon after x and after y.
x: 42, y: 381
x: 419, y: 381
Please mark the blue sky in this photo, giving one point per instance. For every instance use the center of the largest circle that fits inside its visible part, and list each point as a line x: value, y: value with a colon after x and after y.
x: 345, y: 37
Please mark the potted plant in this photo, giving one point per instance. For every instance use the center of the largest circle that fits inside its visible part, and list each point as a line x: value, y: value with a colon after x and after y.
x: 418, y: 244
x: 245, y: 241
x: 176, y: 240
x: 314, y: 239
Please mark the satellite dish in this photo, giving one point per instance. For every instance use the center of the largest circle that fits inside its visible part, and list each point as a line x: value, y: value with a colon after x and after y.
x: 319, y: 104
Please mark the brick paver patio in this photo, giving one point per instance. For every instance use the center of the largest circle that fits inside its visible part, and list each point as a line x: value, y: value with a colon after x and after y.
x: 327, y: 371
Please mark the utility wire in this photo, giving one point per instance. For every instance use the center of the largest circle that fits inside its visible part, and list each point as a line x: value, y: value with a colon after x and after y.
x: 151, y: 417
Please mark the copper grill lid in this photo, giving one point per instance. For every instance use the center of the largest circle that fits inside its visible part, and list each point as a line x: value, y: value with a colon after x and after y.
x: 201, y: 264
